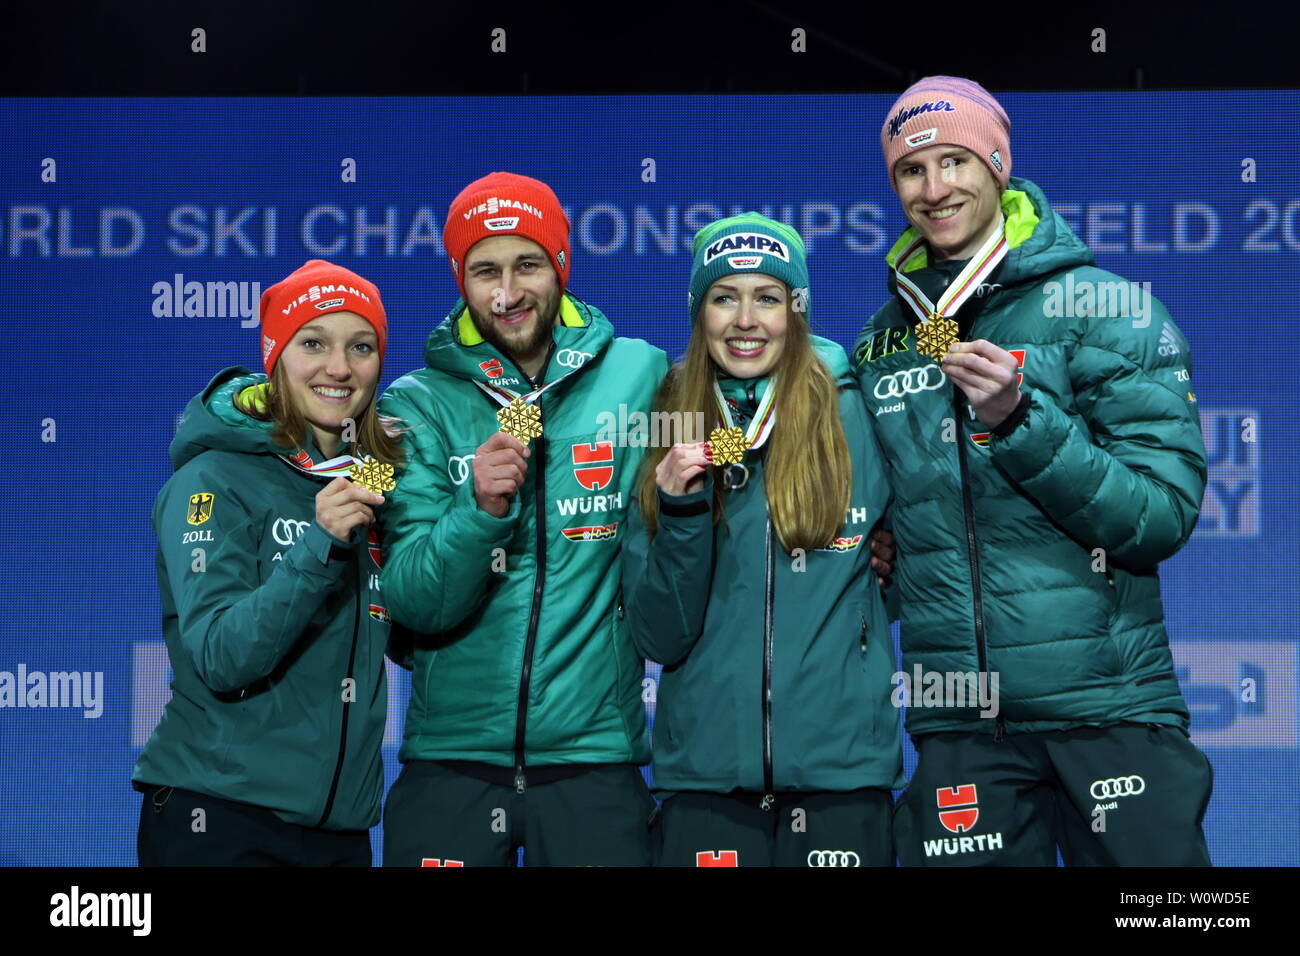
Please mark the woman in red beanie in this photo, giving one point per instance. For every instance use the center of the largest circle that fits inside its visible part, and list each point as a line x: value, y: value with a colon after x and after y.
x: 268, y: 752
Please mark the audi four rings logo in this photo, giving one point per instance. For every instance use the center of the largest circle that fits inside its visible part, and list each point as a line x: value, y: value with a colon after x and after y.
x: 833, y: 858
x: 1117, y: 787
x: 923, y: 378
x: 286, y: 531
x: 571, y: 358
x: 458, y: 468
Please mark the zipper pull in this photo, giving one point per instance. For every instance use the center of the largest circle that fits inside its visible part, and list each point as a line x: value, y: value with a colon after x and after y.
x: 519, y: 780
x: 766, y: 802
x: 863, y: 619
x: 1000, y: 734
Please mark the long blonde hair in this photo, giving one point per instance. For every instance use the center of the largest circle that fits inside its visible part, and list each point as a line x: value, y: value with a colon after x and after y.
x: 809, y: 474
x: 377, y: 435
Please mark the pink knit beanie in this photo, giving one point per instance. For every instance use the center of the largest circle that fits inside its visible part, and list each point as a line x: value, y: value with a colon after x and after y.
x: 948, y: 110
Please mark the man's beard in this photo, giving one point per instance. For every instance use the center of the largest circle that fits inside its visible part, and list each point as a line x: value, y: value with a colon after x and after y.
x: 520, y: 345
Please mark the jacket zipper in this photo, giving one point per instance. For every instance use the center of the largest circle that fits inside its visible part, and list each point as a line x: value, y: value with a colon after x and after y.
x: 863, y: 619
x: 343, y: 729
x: 539, y: 582
x: 972, y: 550
x: 769, y: 798
x: 521, y: 718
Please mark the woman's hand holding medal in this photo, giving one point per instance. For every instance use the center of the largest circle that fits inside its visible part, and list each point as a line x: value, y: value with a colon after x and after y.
x: 682, y: 470
x: 342, y: 505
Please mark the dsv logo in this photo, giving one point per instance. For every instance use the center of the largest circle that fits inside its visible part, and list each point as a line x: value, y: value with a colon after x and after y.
x: 458, y: 468
x: 571, y: 358
x: 921, y: 379
x: 1117, y: 787
x: 286, y: 531
x: 833, y: 858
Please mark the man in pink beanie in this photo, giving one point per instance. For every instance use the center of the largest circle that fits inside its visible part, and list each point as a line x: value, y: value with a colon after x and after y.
x: 938, y: 119
x: 1044, y: 457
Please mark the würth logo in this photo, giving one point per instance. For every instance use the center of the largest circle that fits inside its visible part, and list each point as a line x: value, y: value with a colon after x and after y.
x: 593, y: 464
x: 957, y: 821
x: 958, y: 814
x: 717, y: 858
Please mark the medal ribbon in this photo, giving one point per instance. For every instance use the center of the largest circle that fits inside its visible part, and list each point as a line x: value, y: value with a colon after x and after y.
x: 963, y: 287
x: 257, y: 396
x: 504, y: 396
x: 333, y: 468
x: 764, y: 417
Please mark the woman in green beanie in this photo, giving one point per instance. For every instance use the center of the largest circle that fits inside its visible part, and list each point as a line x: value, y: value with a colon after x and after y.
x: 748, y: 574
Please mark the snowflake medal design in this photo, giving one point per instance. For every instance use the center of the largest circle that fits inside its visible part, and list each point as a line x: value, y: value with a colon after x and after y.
x: 373, y: 475
x: 521, y: 420
x: 934, y: 335
x: 727, y: 446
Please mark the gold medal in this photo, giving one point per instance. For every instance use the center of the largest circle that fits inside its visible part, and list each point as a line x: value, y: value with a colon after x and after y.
x: 521, y: 420
x: 934, y: 335
x: 373, y: 475
x: 727, y: 445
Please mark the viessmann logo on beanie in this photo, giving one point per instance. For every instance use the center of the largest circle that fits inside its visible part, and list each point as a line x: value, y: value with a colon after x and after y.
x: 503, y: 204
x: 951, y: 111
x: 317, y: 288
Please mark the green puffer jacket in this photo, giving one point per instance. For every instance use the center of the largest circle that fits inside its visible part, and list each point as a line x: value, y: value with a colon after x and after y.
x: 768, y: 688
x: 526, y: 657
x: 1034, y: 556
x: 267, y: 617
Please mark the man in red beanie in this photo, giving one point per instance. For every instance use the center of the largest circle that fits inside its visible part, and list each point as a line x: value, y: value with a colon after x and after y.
x: 526, y: 725
x: 1044, y: 459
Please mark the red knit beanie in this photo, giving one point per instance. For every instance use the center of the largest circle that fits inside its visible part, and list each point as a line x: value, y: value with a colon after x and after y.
x: 318, y: 288
x: 503, y: 204
x: 948, y: 110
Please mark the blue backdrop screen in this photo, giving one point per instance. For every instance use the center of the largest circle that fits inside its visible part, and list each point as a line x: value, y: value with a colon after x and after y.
x: 110, y: 208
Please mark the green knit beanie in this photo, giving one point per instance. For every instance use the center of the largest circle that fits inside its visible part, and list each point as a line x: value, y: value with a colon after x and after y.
x: 749, y: 242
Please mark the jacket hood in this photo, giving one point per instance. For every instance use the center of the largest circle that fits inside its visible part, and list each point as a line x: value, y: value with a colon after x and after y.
x: 211, y: 420
x: 456, y: 347
x: 1040, y: 240
x: 833, y: 357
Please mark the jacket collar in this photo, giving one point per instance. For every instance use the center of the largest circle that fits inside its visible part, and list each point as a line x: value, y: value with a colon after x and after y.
x: 456, y: 347
x: 1021, y: 218
x: 1040, y: 241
